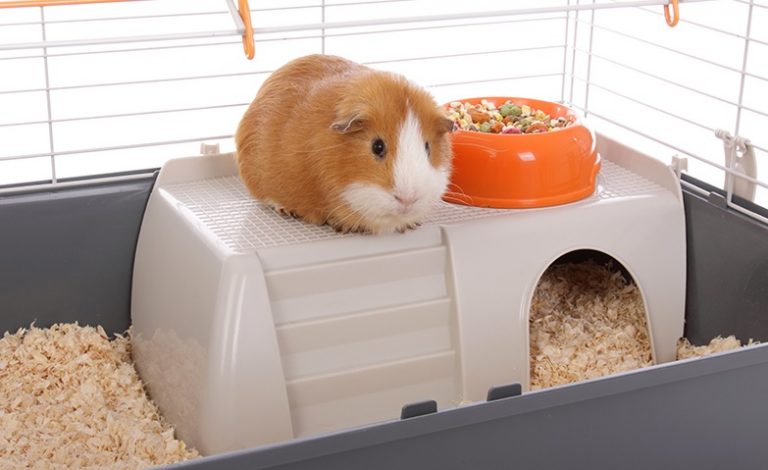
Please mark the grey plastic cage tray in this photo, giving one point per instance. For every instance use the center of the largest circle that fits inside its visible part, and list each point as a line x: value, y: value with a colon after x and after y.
x: 703, y: 413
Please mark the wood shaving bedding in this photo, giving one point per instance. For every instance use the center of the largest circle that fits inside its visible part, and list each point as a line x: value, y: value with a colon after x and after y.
x: 71, y: 398
x: 587, y: 321
x: 686, y: 350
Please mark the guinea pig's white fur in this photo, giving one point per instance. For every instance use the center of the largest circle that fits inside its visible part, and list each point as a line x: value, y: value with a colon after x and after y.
x: 329, y: 172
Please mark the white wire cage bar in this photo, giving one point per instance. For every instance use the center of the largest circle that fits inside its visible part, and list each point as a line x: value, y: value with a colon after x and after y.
x: 574, y: 72
x: 731, y: 172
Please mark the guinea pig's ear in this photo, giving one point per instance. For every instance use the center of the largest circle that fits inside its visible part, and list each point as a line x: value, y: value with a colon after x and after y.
x: 445, y: 125
x: 348, y: 124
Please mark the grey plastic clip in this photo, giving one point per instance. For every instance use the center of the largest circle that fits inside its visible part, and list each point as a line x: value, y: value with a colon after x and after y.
x: 421, y: 408
x: 504, y: 391
x: 740, y: 160
x: 718, y: 200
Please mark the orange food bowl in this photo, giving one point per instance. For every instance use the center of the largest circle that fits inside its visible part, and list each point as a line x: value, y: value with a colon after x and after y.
x: 524, y: 170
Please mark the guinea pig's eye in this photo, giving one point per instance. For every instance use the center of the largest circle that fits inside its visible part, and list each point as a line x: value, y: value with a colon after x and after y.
x: 378, y: 148
x: 426, y: 147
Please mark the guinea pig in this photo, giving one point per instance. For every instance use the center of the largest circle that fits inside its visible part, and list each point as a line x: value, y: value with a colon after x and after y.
x: 334, y: 142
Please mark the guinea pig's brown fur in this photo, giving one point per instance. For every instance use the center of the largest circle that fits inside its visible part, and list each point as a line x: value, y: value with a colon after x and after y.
x: 307, y: 137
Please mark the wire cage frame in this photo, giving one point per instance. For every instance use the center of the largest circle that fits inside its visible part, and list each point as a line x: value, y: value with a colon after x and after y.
x: 579, y: 71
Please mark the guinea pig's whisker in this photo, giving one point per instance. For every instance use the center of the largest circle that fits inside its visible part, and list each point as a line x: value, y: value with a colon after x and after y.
x: 344, y: 219
x: 455, y: 188
x: 464, y: 200
x: 456, y: 193
x: 332, y: 212
x: 357, y: 220
x: 370, y: 214
x: 359, y: 223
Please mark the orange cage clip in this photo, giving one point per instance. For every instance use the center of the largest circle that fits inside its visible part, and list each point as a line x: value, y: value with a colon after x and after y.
x: 672, y: 21
x: 245, y: 14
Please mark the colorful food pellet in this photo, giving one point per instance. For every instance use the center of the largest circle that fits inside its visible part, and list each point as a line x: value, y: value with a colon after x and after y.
x: 508, y: 118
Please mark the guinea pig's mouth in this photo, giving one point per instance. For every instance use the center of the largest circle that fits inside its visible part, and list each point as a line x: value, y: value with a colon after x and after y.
x: 404, y: 209
x: 385, y: 211
x: 408, y: 212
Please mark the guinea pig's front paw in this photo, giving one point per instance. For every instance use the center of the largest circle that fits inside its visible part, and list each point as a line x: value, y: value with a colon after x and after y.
x: 281, y: 210
x: 287, y: 213
x: 345, y: 229
x: 405, y: 228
